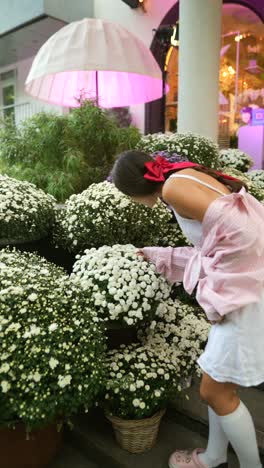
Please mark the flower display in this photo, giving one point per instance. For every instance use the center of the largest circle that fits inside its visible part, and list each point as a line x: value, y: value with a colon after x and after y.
x: 171, y: 157
x: 195, y: 148
x: 122, y: 286
x: 235, y: 159
x: 254, y: 188
x: 172, y: 236
x: 180, y: 331
x: 51, y: 348
x: 139, y: 383
x: 257, y: 177
x: 102, y: 215
x: 26, y: 213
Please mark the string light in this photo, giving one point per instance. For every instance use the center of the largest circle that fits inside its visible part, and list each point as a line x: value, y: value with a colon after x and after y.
x: 238, y: 38
x: 231, y: 70
x: 228, y: 71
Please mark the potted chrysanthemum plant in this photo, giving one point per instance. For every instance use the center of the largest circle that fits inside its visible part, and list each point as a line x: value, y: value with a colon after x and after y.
x: 26, y: 212
x: 182, y: 331
x: 140, y: 383
x: 51, y: 357
x: 102, y: 215
x: 123, y: 288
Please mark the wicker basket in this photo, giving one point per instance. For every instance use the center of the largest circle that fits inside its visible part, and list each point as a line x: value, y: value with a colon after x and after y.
x: 136, y: 436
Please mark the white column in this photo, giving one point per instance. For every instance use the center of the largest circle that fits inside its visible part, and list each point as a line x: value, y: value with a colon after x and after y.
x: 199, y: 57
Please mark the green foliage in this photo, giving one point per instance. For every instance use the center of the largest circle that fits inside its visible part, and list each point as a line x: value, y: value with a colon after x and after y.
x: 129, y: 138
x: 93, y: 134
x: 64, y: 154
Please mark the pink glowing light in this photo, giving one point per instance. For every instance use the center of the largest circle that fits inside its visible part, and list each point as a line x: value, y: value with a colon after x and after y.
x: 66, y: 67
x: 115, y: 89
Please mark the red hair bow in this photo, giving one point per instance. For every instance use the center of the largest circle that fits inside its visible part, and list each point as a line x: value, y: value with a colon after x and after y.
x: 160, y: 166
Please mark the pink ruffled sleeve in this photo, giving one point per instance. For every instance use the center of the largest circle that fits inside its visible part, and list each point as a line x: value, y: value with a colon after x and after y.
x: 170, y: 262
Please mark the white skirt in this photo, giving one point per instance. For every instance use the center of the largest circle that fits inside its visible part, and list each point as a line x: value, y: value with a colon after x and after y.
x: 235, y: 348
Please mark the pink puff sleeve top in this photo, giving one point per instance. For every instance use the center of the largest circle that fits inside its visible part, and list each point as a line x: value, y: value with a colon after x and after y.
x: 228, y: 266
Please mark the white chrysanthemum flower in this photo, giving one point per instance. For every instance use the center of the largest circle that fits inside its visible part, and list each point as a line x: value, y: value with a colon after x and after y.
x: 136, y: 403
x: 5, y: 386
x: 63, y: 381
x: 53, y: 363
x: 4, y: 368
x: 37, y: 377
x: 32, y: 297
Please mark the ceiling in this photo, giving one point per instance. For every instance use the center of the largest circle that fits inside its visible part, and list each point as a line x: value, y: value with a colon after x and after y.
x: 25, y: 42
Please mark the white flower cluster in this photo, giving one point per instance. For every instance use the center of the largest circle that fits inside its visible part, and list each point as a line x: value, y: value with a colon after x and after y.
x: 257, y: 176
x: 26, y: 212
x: 179, y: 330
x: 140, y: 381
x: 173, y: 236
x: 51, y: 349
x: 235, y: 159
x: 122, y: 286
x: 254, y: 187
x: 102, y: 215
x: 196, y: 148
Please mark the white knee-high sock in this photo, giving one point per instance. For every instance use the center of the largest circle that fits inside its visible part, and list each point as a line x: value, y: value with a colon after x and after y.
x: 216, y: 452
x: 240, y: 431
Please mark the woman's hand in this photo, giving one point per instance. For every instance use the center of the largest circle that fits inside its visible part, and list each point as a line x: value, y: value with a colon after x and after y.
x: 140, y: 254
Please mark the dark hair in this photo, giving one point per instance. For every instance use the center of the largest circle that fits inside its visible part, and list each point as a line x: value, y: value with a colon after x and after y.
x: 129, y: 169
x: 128, y: 174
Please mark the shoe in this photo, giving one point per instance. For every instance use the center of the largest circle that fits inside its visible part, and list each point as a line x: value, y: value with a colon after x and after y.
x: 185, y: 459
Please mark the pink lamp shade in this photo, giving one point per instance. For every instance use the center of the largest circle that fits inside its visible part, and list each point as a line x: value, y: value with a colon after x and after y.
x: 94, y: 57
